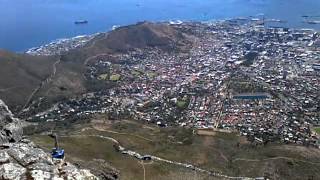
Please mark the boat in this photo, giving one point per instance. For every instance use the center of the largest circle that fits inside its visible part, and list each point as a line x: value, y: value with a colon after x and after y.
x: 81, y: 22
x: 310, y: 16
x: 276, y: 20
x: 312, y: 22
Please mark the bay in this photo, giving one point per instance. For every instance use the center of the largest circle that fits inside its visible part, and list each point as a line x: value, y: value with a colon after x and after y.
x: 30, y: 23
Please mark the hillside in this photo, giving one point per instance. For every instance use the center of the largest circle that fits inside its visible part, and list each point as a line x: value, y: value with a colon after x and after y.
x: 24, y: 78
x: 142, y: 35
x: 20, y: 75
x: 226, y: 153
x: 138, y: 36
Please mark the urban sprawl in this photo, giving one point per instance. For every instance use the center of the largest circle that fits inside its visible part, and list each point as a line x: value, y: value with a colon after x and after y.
x: 241, y: 76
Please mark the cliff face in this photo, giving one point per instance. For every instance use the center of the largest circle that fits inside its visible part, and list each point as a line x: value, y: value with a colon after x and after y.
x: 10, y: 127
x: 22, y: 159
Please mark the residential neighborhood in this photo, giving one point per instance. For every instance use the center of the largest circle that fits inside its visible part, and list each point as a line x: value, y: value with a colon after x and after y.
x: 262, y: 82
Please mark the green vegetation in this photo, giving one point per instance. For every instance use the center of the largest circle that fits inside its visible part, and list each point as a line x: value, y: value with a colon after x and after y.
x: 20, y: 70
x: 227, y: 153
x: 115, y: 77
x: 152, y: 74
x: 240, y: 86
x: 249, y: 58
x: 317, y: 130
x: 182, y: 103
x: 103, y: 77
x: 136, y: 73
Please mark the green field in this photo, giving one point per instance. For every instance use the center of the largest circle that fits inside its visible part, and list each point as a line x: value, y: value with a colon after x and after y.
x: 182, y: 104
x: 115, y: 77
x: 317, y: 130
x: 221, y: 152
x: 103, y: 77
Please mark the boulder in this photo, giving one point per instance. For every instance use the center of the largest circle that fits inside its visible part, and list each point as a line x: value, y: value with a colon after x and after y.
x: 12, y: 171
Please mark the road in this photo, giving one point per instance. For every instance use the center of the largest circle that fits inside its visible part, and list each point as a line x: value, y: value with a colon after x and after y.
x: 275, y: 158
x: 155, y: 158
x: 8, y: 89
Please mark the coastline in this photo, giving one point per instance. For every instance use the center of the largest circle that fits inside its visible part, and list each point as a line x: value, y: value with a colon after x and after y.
x: 59, y: 46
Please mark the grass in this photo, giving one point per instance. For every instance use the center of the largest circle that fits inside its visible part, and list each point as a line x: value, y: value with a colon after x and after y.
x: 136, y: 73
x: 317, y: 130
x: 219, y: 152
x: 182, y: 104
x: 88, y: 148
x: 103, y: 77
x: 115, y: 77
x: 152, y: 74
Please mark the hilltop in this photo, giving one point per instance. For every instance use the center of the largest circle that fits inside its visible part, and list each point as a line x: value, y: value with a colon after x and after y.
x: 139, y: 36
x: 142, y: 35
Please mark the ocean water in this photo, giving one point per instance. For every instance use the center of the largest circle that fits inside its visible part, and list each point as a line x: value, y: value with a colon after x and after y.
x: 30, y: 23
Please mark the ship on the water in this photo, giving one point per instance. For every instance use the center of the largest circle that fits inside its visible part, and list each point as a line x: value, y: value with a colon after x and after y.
x: 81, y: 22
x: 312, y: 21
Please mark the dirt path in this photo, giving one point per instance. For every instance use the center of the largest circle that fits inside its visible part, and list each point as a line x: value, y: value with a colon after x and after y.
x: 8, y: 89
x: 275, y: 158
x: 155, y: 158
x: 44, y: 82
x: 144, y: 169
x: 98, y: 128
x: 93, y: 57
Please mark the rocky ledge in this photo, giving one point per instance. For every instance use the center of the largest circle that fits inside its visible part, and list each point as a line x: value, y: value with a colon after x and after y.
x: 22, y: 159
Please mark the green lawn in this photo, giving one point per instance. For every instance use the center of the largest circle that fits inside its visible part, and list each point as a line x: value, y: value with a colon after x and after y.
x: 115, y: 77
x: 182, y: 104
x: 317, y: 130
x: 103, y: 77
x: 136, y: 73
x: 152, y: 74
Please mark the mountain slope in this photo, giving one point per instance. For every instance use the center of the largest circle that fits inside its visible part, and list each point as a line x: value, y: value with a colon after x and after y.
x: 138, y: 36
x: 24, y: 78
x: 142, y: 35
x: 20, y: 75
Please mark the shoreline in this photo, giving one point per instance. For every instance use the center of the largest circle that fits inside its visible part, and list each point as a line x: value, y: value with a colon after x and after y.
x: 59, y: 46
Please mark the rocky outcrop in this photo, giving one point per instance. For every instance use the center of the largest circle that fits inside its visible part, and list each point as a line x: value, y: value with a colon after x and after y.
x: 22, y: 159
x: 10, y: 127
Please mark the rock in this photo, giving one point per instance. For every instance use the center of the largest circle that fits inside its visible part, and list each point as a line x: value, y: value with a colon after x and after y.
x: 4, y: 157
x: 70, y: 171
x: 10, y: 127
x: 44, y: 167
x: 26, y: 154
x: 12, y: 171
x: 40, y: 175
x: 20, y: 158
